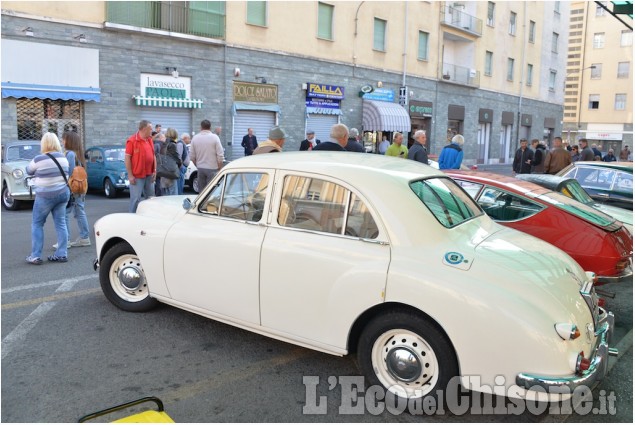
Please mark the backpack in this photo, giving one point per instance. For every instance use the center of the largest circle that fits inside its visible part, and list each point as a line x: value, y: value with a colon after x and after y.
x: 185, y: 153
x: 78, y: 181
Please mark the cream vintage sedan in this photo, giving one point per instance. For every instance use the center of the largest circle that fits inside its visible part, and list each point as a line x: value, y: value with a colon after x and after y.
x: 343, y: 252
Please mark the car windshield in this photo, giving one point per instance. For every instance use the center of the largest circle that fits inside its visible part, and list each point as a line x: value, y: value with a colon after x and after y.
x: 574, y: 191
x: 22, y: 152
x: 117, y: 154
x: 446, y: 200
x: 578, y: 209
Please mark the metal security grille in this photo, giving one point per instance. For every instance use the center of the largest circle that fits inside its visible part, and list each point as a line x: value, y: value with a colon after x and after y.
x: 37, y: 116
x: 260, y: 121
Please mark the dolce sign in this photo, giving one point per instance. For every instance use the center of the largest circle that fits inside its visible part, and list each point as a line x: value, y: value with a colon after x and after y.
x: 251, y: 92
x: 166, y: 86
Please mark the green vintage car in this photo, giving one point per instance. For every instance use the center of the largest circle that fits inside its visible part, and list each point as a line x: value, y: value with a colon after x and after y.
x: 16, y: 155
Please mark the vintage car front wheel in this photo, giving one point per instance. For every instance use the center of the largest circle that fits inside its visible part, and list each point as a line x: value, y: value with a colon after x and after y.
x: 8, y: 202
x: 123, y: 280
x: 109, y: 189
x: 407, y: 354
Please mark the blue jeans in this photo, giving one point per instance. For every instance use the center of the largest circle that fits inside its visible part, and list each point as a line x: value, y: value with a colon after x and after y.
x: 41, y: 209
x: 181, y: 182
x: 79, y: 212
x: 142, y: 189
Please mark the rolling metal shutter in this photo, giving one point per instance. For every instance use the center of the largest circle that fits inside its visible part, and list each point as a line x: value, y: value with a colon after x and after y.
x: 260, y: 121
x: 321, y: 124
x: 179, y: 119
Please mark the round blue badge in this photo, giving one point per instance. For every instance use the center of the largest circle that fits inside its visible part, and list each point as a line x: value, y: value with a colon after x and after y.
x: 453, y: 257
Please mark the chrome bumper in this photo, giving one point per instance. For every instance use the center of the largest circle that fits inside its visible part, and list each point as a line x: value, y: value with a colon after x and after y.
x: 627, y: 274
x: 596, y: 372
x: 96, y: 264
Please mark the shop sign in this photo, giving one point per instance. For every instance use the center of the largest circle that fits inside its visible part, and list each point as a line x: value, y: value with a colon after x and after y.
x: 323, y: 103
x: 604, y: 136
x: 385, y: 95
x: 324, y: 91
x: 254, y: 92
x: 420, y: 109
x: 165, y: 86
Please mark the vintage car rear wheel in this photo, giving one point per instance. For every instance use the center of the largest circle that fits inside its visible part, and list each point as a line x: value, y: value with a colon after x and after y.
x: 194, y: 182
x: 123, y: 280
x: 8, y: 202
x: 406, y: 354
x: 109, y: 189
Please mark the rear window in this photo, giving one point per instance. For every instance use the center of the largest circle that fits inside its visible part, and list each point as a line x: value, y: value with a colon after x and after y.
x: 578, y: 209
x: 573, y: 190
x: 449, y: 204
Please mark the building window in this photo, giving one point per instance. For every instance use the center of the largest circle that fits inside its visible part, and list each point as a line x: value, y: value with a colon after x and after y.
x: 423, y: 45
x: 512, y: 23
x: 491, y: 6
x: 489, y: 56
x: 510, y: 69
x: 554, y: 42
x: 38, y: 116
x: 379, y: 37
x: 596, y: 71
x: 620, y: 102
x: 599, y: 10
x: 594, y: 101
x: 257, y: 13
x: 627, y: 38
x: 623, y: 69
x: 598, y: 40
x: 325, y: 21
x: 552, y: 80
x: 530, y: 74
x: 532, y: 32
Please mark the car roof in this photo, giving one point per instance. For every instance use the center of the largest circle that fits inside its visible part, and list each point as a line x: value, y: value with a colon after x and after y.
x: 107, y: 147
x: 499, y: 180
x: 620, y: 165
x: 20, y: 142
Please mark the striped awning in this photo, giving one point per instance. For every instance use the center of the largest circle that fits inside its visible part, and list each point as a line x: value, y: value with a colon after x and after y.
x: 384, y: 116
x: 165, y: 102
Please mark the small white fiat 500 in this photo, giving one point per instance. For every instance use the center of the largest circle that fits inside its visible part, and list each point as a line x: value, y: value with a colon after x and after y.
x: 384, y: 257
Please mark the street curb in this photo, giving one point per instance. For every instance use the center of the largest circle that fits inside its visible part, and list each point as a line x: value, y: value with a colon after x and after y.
x: 625, y: 344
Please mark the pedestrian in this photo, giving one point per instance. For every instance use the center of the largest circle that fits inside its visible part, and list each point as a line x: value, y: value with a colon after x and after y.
x: 610, y: 157
x: 249, y: 142
x: 187, y: 139
x: 170, y: 186
x: 159, y: 145
x: 522, y: 159
x: 452, y: 155
x: 75, y: 156
x: 596, y: 152
x: 383, y: 145
x: 50, y: 169
x: 218, y: 130
x: 184, y: 154
x: 207, y: 153
x: 586, y: 154
x: 339, y: 139
x: 558, y: 158
x: 540, y: 154
x: 575, y: 153
x: 625, y: 153
x: 397, y: 148
x: 353, y: 145
x: 310, y: 142
x: 140, y: 164
x: 277, y: 137
x: 418, y: 152
x: 157, y: 129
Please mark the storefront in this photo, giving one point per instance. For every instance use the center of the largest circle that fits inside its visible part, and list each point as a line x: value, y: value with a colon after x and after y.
x: 380, y: 114
x: 456, y: 117
x: 525, y: 127
x: 323, y: 108
x: 420, y: 118
x: 506, y: 146
x: 49, y: 92
x: 550, y: 126
x: 255, y: 106
x: 485, y: 119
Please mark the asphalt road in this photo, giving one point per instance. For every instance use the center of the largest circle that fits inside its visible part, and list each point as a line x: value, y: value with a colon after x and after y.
x: 66, y: 351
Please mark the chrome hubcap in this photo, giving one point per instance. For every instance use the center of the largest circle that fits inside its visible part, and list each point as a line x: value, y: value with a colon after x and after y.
x: 403, y: 364
x: 130, y: 277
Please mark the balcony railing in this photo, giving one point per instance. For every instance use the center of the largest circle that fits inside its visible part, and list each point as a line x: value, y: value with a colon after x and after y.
x: 460, y: 75
x: 201, y: 18
x: 458, y: 19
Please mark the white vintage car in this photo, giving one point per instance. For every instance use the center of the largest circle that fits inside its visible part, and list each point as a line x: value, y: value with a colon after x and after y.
x: 342, y: 253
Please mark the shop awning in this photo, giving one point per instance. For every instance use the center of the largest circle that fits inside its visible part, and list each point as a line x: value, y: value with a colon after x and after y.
x: 271, y: 107
x: 323, y: 111
x: 164, y: 102
x: 384, y: 116
x: 36, y: 91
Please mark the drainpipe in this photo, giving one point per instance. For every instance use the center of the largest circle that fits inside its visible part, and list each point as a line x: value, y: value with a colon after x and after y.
x: 355, y: 37
x: 405, y: 45
x: 522, y: 73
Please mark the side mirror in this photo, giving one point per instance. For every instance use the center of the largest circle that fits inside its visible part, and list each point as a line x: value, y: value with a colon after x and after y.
x: 187, y: 204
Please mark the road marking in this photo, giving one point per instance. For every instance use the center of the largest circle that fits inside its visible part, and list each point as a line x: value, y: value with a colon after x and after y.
x: 17, y: 335
x: 61, y: 282
x: 57, y: 297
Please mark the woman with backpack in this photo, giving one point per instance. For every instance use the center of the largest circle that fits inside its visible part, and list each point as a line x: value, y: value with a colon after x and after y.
x: 75, y: 156
x: 169, y: 186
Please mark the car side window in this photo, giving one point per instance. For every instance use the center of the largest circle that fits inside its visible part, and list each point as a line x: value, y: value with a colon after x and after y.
x: 446, y: 201
x: 596, y: 178
x: 211, y: 204
x: 240, y: 196
x: 471, y: 188
x: 624, y: 182
x: 504, y: 206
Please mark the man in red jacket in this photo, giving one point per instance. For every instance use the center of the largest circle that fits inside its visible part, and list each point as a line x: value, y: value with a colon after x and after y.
x: 140, y: 164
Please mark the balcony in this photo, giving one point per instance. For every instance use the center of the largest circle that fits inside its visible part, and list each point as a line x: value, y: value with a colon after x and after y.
x: 456, y: 74
x: 200, y: 18
x: 456, y: 18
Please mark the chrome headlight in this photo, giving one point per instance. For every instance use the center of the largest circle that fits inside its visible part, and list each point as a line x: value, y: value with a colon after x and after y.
x: 123, y: 175
x: 17, y: 173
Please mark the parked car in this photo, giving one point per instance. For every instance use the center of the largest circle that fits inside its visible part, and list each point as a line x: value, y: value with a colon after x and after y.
x: 607, y: 182
x: 598, y: 242
x: 106, y: 169
x: 401, y: 266
x: 191, y: 174
x: 16, y: 155
x: 572, y: 189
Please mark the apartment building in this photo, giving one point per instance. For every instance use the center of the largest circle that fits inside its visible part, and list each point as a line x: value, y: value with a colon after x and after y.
x: 491, y: 71
x: 599, y: 80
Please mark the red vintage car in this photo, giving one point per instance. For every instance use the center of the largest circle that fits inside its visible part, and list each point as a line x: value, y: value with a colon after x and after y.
x: 598, y: 242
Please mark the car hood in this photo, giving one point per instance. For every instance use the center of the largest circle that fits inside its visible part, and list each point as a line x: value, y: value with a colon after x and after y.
x: 164, y: 207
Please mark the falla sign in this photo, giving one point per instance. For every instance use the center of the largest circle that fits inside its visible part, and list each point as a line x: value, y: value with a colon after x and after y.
x: 324, y: 91
x: 165, y: 86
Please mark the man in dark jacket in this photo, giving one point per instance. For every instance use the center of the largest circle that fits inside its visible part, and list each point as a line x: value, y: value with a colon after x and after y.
x: 523, y: 158
x: 339, y: 133
x: 418, y: 151
x: 540, y: 153
x: 558, y: 159
x: 310, y: 142
x: 586, y: 154
x: 249, y: 142
x: 353, y: 145
x: 609, y: 157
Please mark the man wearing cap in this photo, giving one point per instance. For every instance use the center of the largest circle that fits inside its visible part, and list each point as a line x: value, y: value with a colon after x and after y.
x: 310, y: 142
x: 275, y: 143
